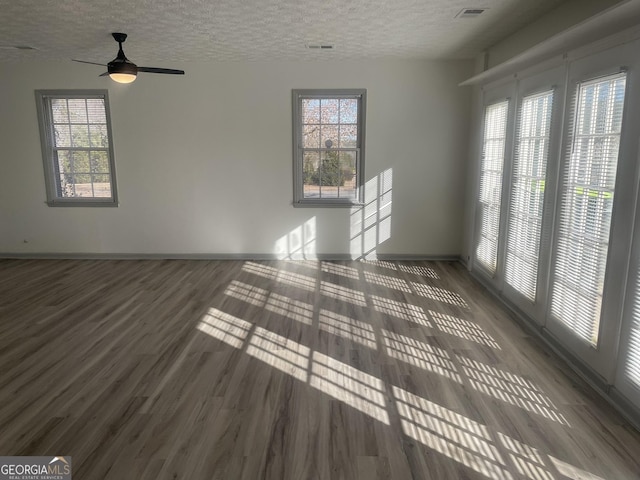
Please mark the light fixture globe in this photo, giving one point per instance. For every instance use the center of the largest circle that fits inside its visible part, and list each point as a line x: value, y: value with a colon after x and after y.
x: 122, y: 71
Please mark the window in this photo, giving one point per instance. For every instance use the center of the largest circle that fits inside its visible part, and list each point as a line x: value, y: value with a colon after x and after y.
x: 527, y: 193
x: 587, y: 191
x: 77, y: 149
x: 493, y: 151
x: 328, y: 142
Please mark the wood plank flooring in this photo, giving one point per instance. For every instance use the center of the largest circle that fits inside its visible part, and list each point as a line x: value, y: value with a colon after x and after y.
x: 288, y: 370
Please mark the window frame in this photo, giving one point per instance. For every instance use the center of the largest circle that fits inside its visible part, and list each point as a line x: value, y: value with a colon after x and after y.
x: 549, y: 79
x: 298, y: 152
x: 492, y: 94
x: 557, y: 96
x: 45, y: 122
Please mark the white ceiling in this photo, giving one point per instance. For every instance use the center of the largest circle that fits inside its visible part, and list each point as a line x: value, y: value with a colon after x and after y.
x: 192, y: 30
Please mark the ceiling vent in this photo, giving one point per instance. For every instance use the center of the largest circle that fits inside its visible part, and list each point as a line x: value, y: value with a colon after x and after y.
x: 470, y: 12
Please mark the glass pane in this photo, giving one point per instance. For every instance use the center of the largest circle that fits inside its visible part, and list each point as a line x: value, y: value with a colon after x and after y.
x: 329, y: 134
x: 77, y: 110
x: 59, y: 110
x: 80, y: 162
x: 329, y: 110
x: 66, y: 187
x: 527, y: 193
x: 80, y: 135
x: 329, y: 192
x: 587, y: 193
x: 96, y: 110
x: 99, y: 162
x: 348, y: 175
x: 83, y: 185
x: 310, y: 175
x: 311, y: 191
x: 310, y: 111
x: 98, y: 136
x: 330, y: 175
x: 62, y: 136
x: 489, y: 201
x: 64, y: 162
x: 348, y: 136
x: 311, y: 136
x: 101, y: 186
x: 349, y: 110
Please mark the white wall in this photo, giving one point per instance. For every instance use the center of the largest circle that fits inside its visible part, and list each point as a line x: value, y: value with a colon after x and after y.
x: 566, y: 15
x: 204, y: 162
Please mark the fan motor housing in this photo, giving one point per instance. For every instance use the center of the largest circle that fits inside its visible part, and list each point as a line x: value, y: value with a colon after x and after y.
x: 126, y: 67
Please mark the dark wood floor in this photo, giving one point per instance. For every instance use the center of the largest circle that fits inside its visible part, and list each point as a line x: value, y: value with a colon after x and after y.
x: 288, y: 370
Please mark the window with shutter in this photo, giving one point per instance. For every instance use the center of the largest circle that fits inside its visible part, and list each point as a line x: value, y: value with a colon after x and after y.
x: 587, y: 192
x: 493, y: 150
x: 527, y: 193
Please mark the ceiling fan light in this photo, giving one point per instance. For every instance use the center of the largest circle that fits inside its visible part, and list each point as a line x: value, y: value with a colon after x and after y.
x: 122, y: 70
x: 122, y: 77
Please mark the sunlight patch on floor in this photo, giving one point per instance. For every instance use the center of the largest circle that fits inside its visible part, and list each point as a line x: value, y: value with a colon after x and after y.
x: 463, y: 329
x: 286, y: 355
x: 449, y: 433
x: 358, y: 389
x: 348, y: 328
x: 402, y: 310
x: 420, y: 354
x: 226, y: 328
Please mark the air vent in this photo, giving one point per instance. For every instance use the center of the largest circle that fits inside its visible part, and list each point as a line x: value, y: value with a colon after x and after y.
x: 470, y: 12
x: 320, y: 47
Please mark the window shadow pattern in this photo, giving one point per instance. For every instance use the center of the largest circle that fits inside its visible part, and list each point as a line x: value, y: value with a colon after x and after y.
x: 459, y: 438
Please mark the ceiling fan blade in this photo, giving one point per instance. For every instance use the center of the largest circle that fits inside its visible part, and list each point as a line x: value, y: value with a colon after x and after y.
x: 90, y: 63
x: 104, y: 74
x: 168, y: 71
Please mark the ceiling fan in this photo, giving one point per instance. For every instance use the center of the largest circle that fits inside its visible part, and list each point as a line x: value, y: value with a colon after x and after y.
x: 122, y: 70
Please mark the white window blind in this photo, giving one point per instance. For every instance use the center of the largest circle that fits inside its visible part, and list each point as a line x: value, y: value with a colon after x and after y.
x: 527, y: 193
x: 587, y: 192
x: 495, y: 131
x: 632, y: 357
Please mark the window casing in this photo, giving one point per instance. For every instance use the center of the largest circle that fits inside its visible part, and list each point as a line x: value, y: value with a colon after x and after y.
x: 77, y: 147
x: 328, y: 147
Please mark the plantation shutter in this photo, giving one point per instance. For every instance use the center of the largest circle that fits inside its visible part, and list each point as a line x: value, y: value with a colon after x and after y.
x: 587, y: 192
x: 495, y: 132
x: 527, y: 193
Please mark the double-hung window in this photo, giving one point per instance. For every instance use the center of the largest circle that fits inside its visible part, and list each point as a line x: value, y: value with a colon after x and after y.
x: 77, y: 147
x: 328, y: 144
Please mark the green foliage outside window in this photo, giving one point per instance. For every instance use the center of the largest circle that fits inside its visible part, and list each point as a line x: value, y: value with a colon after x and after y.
x: 329, y: 172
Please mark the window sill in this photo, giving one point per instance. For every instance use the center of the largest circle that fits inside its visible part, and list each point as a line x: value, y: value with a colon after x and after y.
x: 81, y: 203
x: 327, y: 204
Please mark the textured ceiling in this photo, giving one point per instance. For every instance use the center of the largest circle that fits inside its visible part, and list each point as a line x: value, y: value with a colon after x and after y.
x: 192, y: 30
